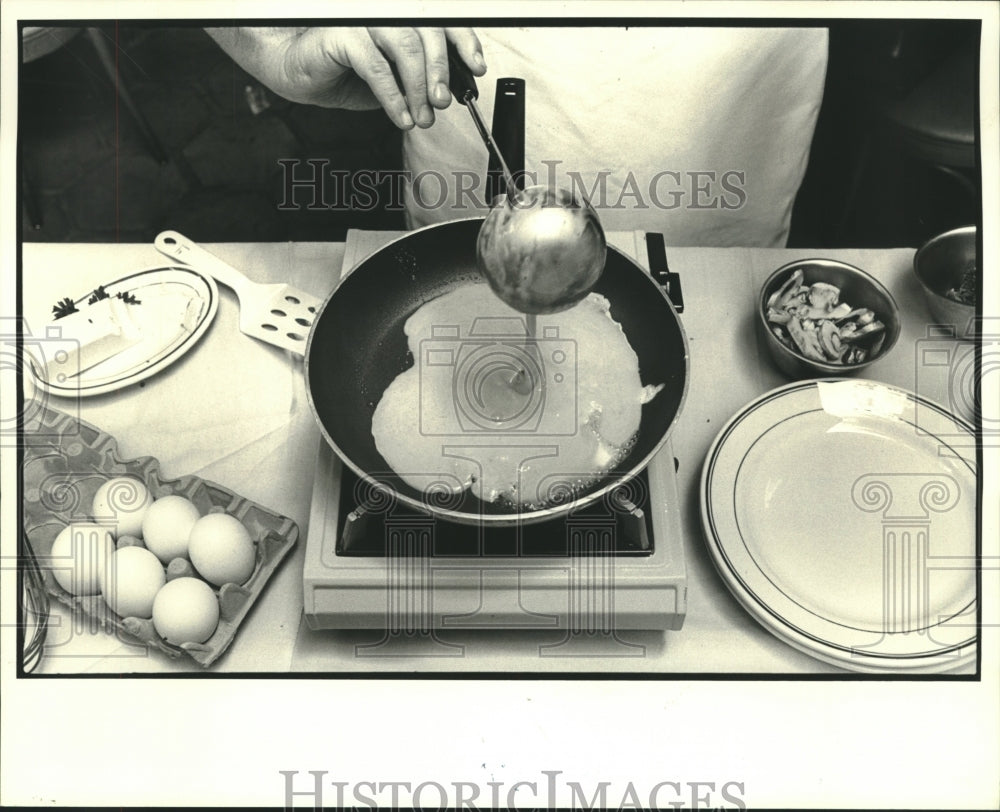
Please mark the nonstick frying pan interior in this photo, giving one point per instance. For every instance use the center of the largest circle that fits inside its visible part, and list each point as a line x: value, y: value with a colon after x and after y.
x: 357, y: 348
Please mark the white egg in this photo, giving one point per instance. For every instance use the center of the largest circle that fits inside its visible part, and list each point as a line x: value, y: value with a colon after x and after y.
x: 131, y: 580
x: 79, y: 554
x: 186, y: 611
x: 167, y: 525
x: 221, y: 549
x: 122, y: 502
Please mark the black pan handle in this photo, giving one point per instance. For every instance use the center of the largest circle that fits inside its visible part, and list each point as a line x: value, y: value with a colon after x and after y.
x: 656, y: 253
x: 508, y: 133
x: 461, y: 82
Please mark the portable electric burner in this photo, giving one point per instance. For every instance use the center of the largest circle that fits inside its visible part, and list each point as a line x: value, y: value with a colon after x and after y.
x: 373, y: 563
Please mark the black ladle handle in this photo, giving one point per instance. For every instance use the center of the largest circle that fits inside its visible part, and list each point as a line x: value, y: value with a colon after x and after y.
x: 463, y: 87
x: 461, y: 82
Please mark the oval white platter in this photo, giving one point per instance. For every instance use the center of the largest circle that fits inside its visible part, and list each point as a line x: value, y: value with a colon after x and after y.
x: 177, y: 305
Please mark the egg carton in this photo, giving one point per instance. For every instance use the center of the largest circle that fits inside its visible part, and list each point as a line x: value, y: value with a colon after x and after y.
x: 66, y: 460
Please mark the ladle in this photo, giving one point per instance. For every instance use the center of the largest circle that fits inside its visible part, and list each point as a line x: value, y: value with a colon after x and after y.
x: 542, y: 249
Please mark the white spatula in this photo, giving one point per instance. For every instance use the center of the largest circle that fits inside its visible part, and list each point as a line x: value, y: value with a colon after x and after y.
x: 278, y: 314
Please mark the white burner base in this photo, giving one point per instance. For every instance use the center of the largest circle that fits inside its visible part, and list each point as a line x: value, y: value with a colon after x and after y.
x: 592, y: 594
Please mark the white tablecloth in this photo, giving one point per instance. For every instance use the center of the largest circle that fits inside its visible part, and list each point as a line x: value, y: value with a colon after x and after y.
x: 235, y: 411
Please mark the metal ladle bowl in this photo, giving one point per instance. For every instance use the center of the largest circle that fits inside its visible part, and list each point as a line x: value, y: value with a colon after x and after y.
x: 541, y: 249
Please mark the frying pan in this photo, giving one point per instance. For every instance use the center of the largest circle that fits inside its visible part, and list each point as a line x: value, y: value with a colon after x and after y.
x: 357, y: 347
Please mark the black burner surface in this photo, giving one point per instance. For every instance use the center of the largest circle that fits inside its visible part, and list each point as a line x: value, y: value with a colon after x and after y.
x: 619, y: 524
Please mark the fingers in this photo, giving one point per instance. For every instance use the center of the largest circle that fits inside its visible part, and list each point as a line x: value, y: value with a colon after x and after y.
x: 436, y: 66
x: 469, y: 48
x: 404, y: 47
x: 407, y: 68
x: 368, y: 61
x: 436, y: 58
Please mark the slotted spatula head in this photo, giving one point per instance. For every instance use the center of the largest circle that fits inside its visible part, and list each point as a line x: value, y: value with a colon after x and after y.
x: 277, y: 313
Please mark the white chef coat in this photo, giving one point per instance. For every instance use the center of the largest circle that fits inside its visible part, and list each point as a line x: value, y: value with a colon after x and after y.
x: 700, y: 133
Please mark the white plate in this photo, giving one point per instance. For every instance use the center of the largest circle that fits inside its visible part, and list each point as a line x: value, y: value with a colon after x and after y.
x: 842, y: 515
x: 166, y: 294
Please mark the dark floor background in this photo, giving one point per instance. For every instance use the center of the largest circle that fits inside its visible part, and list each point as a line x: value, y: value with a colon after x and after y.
x: 894, y: 158
x: 210, y: 166
x: 89, y: 174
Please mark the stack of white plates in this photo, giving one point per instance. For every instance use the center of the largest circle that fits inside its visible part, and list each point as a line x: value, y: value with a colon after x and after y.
x: 842, y: 515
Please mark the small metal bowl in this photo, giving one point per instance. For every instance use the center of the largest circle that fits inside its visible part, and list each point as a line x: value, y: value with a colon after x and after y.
x: 939, y: 266
x: 857, y: 288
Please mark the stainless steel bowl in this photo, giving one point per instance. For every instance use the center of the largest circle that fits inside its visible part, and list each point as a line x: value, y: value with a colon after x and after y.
x: 939, y: 266
x: 857, y: 288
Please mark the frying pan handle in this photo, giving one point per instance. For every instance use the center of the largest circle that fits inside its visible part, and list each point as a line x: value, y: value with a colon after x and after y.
x: 508, y: 133
x: 656, y: 253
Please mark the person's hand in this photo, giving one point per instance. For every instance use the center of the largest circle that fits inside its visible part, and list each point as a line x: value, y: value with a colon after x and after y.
x: 403, y: 70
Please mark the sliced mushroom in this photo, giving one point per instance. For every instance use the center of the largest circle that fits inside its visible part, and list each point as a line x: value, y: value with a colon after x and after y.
x: 829, y: 340
x: 787, y: 291
x: 806, y: 340
x: 824, y: 296
x: 855, y: 355
x: 776, y: 316
x: 853, y: 314
x: 811, y: 320
x: 867, y: 330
